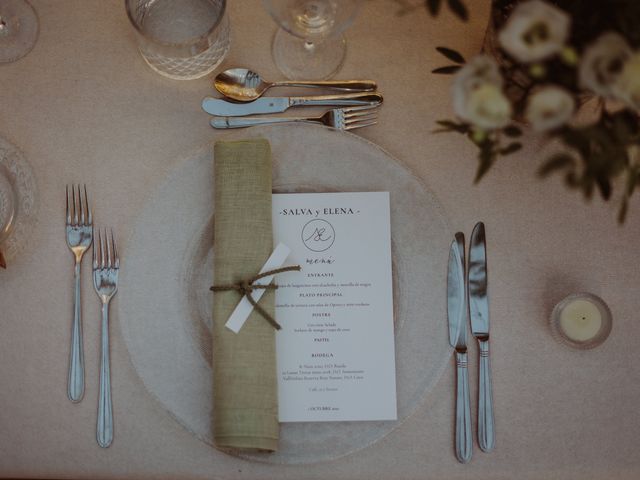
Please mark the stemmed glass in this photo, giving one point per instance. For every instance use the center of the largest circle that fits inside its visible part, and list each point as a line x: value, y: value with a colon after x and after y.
x: 310, y: 44
x: 18, y: 29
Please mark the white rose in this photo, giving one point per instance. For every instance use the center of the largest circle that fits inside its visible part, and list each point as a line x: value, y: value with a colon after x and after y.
x: 602, y: 63
x: 627, y: 84
x: 535, y: 30
x: 549, y: 108
x: 488, y: 107
x: 478, y: 96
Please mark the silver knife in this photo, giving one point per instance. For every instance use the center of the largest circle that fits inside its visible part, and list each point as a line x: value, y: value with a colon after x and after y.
x: 479, y: 312
x: 457, y: 313
x: 218, y: 106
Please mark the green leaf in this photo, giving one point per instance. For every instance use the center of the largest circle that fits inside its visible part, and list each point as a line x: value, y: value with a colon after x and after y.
x: 486, y: 156
x: 571, y: 180
x: 433, y: 6
x: 577, y: 140
x: 512, y: 131
x: 622, y: 213
x: 604, y: 185
x: 447, y: 70
x: 459, y: 9
x: 449, y: 126
x: 511, y: 148
x: 556, y: 162
x: 457, y: 127
x: 451, y: 54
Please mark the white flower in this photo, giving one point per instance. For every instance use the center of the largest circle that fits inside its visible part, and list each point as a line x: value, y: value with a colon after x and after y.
x: 602, y: 63
x: 535, y: 30
x: 627, y: 84
x: 549, y: 108
x: 478, y: 96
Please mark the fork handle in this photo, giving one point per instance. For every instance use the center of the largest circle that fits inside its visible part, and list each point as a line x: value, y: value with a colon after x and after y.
x: 75, y: 384
x: 463, y: 410
x: 486, y: 432
x: 105, y: 412
x: 240, y: 122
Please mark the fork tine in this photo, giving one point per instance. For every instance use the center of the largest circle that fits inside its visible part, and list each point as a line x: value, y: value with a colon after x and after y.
x: 75, y: 206
x: 68, y: 207
x: 360, y: 125
x: 102, y: 252
x: 109, y: 264
x: 360, y: 118
x: 95, y: 254
x: 362, y: 108
x: 87, y: 210
x: 81, y: 206
x: 361, y: 113
x: 115, y: 252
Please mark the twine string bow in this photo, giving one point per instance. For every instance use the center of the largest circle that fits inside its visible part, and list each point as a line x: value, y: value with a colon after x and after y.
x: 246, y: 287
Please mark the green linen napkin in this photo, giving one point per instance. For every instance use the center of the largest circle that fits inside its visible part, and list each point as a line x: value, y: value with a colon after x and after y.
x: 244, y: 364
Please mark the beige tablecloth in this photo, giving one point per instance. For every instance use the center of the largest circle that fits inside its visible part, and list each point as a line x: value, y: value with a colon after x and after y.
x: 85, y: 108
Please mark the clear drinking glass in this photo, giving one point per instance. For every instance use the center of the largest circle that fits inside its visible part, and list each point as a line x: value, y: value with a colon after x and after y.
x: 18, y: 29
x: 181, y: 39
x: 309, y: 44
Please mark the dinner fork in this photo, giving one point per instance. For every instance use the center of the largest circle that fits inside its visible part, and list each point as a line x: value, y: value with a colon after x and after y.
x: 339, y: 118
x: 79, y: 237
x: 106, y: 264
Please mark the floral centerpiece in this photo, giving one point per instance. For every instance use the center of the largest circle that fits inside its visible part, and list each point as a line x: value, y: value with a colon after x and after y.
x: 544, y: 60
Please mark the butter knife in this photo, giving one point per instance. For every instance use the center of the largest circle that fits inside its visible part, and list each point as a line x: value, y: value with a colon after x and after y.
x: 479, y: 313
x: 457, y: 313
x: 218, y: 106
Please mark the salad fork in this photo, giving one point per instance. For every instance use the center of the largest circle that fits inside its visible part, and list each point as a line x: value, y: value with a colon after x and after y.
x: 106, y: 264
x: 339, y: 118
x: 79, y: 238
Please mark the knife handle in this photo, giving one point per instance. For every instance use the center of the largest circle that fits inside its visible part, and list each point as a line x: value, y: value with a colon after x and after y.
x: 486, y: 431
x: 338, y: 100
x: 463, y: 410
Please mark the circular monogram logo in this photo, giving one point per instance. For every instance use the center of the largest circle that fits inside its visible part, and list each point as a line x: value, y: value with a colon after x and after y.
x: 318, y: 235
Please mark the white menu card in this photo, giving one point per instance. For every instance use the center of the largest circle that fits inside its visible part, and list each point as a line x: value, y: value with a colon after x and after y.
x: 335, y: 352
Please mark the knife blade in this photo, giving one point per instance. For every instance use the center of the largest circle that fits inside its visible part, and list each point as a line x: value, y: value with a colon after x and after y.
x: 457, y: 313
x: 479, y: 314
x: 456, y: 294
x: 218, y: 106
x: 478, y: 301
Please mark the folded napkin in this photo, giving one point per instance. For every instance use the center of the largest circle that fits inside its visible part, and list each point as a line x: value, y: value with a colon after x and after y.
x: 244, y: 364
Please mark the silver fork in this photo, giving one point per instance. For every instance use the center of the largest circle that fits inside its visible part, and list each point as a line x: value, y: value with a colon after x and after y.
x: 79, y: 238
x: 105, y: 281
x: 340, y: 118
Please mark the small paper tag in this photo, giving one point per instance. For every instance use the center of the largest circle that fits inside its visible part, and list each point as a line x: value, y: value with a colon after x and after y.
x: 244, y: 307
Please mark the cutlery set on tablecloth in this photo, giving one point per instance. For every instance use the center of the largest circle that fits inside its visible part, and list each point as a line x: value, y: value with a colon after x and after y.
x: 106, y: 264
x: 243, y: 90
x: 467, y: 298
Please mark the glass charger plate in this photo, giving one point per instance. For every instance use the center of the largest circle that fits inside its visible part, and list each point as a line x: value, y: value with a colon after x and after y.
x: 18, y: 188
x: 165, y: 302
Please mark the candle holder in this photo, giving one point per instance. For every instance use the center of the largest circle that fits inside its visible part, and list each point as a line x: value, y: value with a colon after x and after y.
x: 581, y: 320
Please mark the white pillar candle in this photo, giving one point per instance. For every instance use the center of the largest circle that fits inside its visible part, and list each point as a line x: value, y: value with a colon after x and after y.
x: 580, y: 320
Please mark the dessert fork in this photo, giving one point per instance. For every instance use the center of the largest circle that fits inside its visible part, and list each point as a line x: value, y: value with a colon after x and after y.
x: 79, y: 238
x: 105, y: 281
x: 339, y: 118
